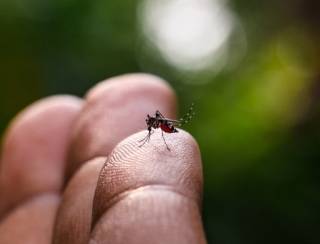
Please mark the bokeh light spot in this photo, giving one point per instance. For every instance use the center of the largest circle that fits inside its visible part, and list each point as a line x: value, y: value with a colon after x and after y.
x: 190, y: 34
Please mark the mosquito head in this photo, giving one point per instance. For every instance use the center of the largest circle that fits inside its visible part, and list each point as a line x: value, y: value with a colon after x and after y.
x: 148, y: 120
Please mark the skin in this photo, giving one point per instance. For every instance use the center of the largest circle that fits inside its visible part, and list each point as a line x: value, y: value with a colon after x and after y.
x: 72, y: 170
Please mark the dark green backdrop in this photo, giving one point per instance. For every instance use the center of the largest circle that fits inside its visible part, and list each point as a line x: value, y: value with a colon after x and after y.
x: 257, y: 119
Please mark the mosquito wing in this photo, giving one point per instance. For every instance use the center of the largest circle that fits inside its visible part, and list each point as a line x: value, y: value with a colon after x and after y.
x: 173, y: 121
x: 161, y: 118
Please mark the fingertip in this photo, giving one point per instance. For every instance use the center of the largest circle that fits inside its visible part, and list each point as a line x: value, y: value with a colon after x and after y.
x: 52, y: 103
x: 131, y: 167
x: 34, y: 148
x: 150, y: 193
x: 133, y: 82
x: 57, y: 105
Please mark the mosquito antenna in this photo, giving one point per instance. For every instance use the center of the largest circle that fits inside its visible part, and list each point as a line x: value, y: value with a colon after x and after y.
x: 188, y: 116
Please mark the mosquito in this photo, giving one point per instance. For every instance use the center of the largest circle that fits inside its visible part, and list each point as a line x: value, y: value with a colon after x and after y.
x: 165, y: 124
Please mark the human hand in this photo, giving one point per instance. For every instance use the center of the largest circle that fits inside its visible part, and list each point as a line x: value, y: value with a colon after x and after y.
x: 52, y: 188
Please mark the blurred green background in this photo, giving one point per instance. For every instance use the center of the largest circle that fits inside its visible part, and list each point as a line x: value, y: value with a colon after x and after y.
x: 252, y: 68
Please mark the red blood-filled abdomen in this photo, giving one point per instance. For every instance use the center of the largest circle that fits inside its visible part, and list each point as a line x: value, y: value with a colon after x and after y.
x: 166, y: 128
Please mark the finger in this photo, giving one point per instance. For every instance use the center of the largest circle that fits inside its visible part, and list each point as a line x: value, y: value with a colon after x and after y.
x: 115, y: 109
x: 31, y: 222
x: 74, y: 215
x: 150, y: 194
x: 34, y: 149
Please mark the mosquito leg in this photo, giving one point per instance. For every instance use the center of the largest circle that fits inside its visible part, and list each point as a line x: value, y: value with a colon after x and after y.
x: 164, y: 140
x: 145, y: 139
x: 147, y: 136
